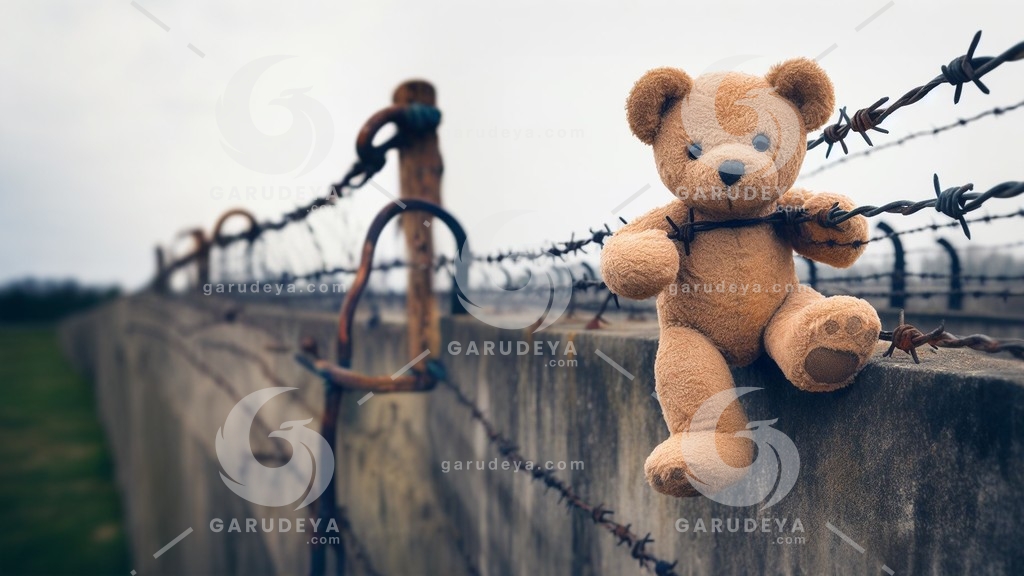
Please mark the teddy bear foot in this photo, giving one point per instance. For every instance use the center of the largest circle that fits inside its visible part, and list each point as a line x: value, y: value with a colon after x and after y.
x: 667, y: 471
x: 844, y: 332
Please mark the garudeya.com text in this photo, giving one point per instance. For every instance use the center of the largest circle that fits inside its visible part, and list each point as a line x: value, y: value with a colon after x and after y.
x: 494, y: 464
x: 561, y: 356
x: 274, y: 288
x: 723, y: 287
x: 279, y: 525
x: 282, y: 526
x: 781, y: 530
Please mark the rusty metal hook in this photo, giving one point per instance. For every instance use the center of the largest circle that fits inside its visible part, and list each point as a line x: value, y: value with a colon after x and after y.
x: 254, y: 226
x: 408, y: 118
x: 424, y: 376
x: 251, y: 234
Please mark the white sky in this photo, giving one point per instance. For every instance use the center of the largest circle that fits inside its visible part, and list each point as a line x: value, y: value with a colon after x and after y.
x: 109, y: 142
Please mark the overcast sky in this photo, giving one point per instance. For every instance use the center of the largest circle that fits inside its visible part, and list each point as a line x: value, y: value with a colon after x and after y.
x: 111, y: 141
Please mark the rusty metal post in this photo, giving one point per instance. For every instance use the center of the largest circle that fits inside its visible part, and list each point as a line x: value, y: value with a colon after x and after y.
x: 416, y: 118
x: 202, y: 255
x: 219, y: 226
x: 420, y: 169
x: 898, y: 288
x: 956, y: 294
x: 160, y: 281
x: 812, y: 273
x: 341, y: 377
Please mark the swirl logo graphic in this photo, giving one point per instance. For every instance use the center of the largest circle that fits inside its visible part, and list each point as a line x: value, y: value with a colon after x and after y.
x: 308, y: 139
x: 536, y: 296
x: 308, y: 471
x: 776, y: 466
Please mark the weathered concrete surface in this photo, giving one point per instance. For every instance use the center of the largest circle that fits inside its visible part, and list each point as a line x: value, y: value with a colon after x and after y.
x: 921, y: 465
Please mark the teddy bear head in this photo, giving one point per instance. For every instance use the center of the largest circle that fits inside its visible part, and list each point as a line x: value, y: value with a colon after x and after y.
x: 729, y: 144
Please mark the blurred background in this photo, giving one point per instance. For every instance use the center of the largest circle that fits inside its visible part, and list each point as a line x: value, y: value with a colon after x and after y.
x: 127, y: 123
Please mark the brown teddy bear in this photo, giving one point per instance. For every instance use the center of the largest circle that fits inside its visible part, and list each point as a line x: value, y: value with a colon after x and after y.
x: 729, y: 146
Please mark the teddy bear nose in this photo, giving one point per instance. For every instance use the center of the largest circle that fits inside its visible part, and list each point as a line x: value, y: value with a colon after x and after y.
x: 730, y: 171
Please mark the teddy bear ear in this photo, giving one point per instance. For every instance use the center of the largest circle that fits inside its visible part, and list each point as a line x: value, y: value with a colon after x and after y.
x: 805, y: 84
x: 651, y: 97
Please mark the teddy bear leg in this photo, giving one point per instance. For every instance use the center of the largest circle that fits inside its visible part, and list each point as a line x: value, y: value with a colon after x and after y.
x: 689, y: 370
x: 821, y: 343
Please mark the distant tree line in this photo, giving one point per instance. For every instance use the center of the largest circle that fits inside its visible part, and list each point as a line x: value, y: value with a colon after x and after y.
x: 32, y: 300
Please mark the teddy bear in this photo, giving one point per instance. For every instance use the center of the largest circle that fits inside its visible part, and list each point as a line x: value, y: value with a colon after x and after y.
x: 729, y: 146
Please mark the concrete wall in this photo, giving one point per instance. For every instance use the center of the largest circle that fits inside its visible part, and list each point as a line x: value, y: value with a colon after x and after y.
x: 920, y: 465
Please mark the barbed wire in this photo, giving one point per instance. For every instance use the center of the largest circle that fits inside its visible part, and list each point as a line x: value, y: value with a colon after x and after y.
x: 980, y: 278
x: 687, y: 231
x: 987, y: 219
x: 954, y: 202
x: 924, y: 228
x: 997, y: 111
x: 1017, y: 244
x: 959, y: 71
x: 968, y: 247
x: 597, y: 513
x: 926, y: 294
x: 360, y: 553
x: 908, y: 338
x: 572, y: 246
x: 357, y: 176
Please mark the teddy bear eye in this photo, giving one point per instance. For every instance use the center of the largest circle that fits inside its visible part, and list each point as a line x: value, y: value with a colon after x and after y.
x: 694, y: 150
x: 761, y: 142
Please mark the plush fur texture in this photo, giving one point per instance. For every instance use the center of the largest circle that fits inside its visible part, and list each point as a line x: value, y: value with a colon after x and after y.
x: 736, y: 294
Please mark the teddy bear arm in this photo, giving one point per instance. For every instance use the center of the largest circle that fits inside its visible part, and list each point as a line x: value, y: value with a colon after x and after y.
x: 639, y: 260
x: 836, y: 246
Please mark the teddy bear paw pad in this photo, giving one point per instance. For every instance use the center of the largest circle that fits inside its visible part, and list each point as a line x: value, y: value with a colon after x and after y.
x: 829, y: 366
x: 671, y: 482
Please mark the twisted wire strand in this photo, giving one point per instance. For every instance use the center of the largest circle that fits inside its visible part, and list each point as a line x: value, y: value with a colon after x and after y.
x: 926, y: 294
x: 980, y: 278
x: 908, y: 339
x: 954, y: 202
x: 997, y: 111
x: 924, y: 228
x: 959, y: 71
x: 600, y: 515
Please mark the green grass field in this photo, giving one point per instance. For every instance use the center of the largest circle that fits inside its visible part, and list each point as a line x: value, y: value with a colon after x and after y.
x: 59, y: 511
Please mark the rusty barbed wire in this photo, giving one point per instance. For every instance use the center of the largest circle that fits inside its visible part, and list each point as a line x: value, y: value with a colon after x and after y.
x: 360, y: 553
x: 908, y: 338
x: 316, y: 243
x: 961, y: 70
x: 687, y: 231
x: 385, y: 266
x: 597, y: 513
x: 991, y: 247
x: 926, y: 294
x: 598, y: 320
x: 572, y: 247
x: 345, y: 525
x: 954, y: 202
x: 586, y: 284
x: 371, y: 159
x: 997, y: 111
x: 980, y: 278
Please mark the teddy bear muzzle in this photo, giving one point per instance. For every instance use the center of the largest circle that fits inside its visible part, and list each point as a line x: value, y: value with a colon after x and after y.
x: 731, y: 171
